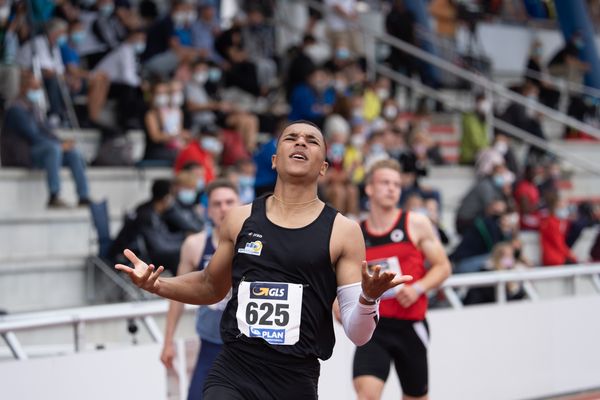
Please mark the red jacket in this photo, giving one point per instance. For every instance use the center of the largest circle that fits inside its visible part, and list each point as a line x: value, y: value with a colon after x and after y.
x: 194, y: 152
x: 552, y: 238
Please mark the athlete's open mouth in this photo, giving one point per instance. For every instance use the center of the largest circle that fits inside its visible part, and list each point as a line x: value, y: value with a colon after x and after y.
x: 298, y: 156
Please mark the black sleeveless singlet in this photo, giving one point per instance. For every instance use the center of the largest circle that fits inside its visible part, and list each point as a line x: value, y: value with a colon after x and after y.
x: 290, y: 255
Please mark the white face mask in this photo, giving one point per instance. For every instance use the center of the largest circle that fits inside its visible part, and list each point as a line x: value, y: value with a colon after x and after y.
x: 211, y: 144
x: 161, y: 100
x: 390, y: 112
x: 501, y: 147
x: 177, y: 99
x: 484, y: 106
x: 357, y: 141
x: 201, y: 77
x: 383, y: 94
x: 562, y: 213
x: 4, y: 12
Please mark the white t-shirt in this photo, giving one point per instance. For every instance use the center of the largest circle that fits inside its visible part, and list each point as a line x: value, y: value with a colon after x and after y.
x: 121, y: 66
x: 49, y: 58
x: 335, y: 22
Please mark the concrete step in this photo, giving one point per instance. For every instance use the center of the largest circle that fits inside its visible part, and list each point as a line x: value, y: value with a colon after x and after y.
x: 42, y: 283
x: 88, y: 141
x: 25, y: 191
x: 50, y: 234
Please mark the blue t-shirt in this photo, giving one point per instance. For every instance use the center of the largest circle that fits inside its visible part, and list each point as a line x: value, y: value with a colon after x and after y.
x: 184, y: 35
x: 69, y: 55
x: 265, y: 175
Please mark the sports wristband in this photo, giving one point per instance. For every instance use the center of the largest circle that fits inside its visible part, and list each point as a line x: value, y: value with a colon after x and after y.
x: 418, y: 288
x: 367, y: 298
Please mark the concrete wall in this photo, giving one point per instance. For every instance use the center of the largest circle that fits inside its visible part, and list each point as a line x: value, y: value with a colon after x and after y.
x: 517, y: 351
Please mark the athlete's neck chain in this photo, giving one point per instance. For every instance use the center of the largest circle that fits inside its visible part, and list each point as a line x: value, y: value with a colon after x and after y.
x: 286, y: 203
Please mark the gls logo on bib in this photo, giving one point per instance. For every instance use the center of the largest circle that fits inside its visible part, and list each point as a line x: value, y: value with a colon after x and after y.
x: 266, y: 291
x: 252, y: 248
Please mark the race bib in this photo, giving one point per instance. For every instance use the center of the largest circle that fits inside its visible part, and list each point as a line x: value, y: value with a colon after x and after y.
x: 270, y: 310
x: 387, y: 264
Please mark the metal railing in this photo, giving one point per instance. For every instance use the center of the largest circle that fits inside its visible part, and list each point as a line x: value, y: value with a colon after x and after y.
x: 499, y: 279
x: 79, y: 317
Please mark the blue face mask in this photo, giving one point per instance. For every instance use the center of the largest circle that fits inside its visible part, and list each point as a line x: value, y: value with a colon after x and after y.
x: 342, y: 53
x: 187, y: 196
x: 61, y: 40
x: 139, y: 47
x: 107, y: 9
x: 246, y: 181
x: 337, y: 151
x: 499, y: 180
x: 78, y: 37
x: 35, y: 96
x: 214, y: 74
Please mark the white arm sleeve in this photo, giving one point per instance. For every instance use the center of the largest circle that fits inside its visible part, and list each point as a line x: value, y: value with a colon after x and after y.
x: 359, y: 320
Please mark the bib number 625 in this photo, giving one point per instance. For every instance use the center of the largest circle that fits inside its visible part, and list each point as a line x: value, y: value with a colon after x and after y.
x: 267, y: 314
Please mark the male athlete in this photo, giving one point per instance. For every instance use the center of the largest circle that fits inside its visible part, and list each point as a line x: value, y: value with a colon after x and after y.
x: 196, y: 253
x: 399, y: 242
x: 285, y: 257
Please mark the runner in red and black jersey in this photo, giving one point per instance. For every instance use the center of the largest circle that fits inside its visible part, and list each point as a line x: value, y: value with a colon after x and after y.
x: 406, y: 242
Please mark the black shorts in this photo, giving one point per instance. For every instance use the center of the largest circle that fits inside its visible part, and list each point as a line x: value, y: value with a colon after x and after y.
x: 249, y: 372
x: 403, y: 342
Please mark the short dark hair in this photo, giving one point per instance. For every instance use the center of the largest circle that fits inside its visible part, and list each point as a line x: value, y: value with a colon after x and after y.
x: 161, y: 188
x: 219, y: 184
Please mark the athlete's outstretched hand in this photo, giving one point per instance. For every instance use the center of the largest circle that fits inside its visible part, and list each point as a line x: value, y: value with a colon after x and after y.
x: 377, y: 283
x: 142, y: 275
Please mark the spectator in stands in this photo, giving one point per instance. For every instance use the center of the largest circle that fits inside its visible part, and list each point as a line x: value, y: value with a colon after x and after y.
x: 553, y: 231
x: 206, y: 110
x: 502, y: 144
x: 121, y: 66
x: 536, y: 73
x: 526, y: 118
x: 479, y: 239
x: 148, y: 13
x: 204, y: 31
x: 445, y: 13
x: 28, y: 141
x: 340, y: 18
x: 527, y: 198
x: 502, y: 259
x: 474, y: 136
x: 585, y: 217
x: 433, y: 212
x: 266, y: 176
x: 339, y: 189
x: 240, y: 71
x: 162, y: 239
x: 258, y: 37
x: 170, y: 40
x: 203, y: 149
x: 163, y: 124
x: 108, y: 28
x: 483, y: 197
x: 400, y: 23
x: 567, y: 63
x: 341, y: 57
x: 246, y: 172
x: 186, y: 206
x: 94, y: 84
x: 312, y: 101
x: 301, y: 64
x: 46, y: 48
x: 415, y: 163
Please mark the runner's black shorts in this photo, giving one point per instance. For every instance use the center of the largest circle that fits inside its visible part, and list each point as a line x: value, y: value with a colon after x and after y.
x: 244, y: 371
x: 403, y: 342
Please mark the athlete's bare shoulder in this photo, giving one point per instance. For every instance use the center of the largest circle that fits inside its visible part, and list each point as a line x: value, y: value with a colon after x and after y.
x: 234, y: 220
x: 420, y: 226
x: 346, y: 235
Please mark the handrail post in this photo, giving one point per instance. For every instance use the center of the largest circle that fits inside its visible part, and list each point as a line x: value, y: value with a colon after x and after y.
x: 501, y: 296
x: 153, y: 329
x: 453, y: 298
x: 15, y: 346
x: 78, y: 335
